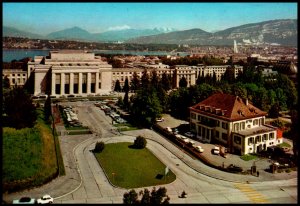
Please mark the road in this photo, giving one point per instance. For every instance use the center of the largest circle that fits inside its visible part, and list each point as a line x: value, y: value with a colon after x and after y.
x: 92, y: 186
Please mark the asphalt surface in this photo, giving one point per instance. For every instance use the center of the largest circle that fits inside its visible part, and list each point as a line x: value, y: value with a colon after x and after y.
x: 86, y: 182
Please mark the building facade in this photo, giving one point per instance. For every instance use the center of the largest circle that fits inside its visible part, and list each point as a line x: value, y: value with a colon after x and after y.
x: 81, y: 73
x: 233, y: 122
x: 64, y: 73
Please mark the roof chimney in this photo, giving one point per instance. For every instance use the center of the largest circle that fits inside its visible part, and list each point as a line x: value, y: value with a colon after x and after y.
x: 247, y: 102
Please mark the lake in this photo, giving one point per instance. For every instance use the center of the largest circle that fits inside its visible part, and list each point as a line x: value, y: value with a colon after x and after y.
x: 17, y: 54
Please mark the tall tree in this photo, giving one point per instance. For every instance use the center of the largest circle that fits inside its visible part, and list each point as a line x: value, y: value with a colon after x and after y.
x: 117, y: 86
x: 135, y: 82
x: 145, y: 79
x: 165, y: 82
x: 19, y: 109
x: 183, y: 82
x: 130, y: 197
x: 155, y: 79
x: 47, y: 109
x: 126, y: 86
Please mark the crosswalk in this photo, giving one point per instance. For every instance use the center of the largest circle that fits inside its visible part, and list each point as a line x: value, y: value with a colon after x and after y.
x: 252, y: 194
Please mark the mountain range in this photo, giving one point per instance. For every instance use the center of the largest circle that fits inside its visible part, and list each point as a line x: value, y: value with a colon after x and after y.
x: 283, y: 32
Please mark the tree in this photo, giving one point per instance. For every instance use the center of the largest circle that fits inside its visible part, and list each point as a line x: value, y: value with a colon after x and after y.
x: 99, y: 147
x: 47, y: 109
x: 183, y: 82
x: 145, y: 106
x: 165, y: 82
x: 146, y: 198
x: 126, y: 86
x: 117, y: 86
x: 155, y: 80
x: 274, y: 111
x: 19, y: 109
x: 229, y: 75
x: 159, y: 196
x: 125, y: 100
x: 130, y: 197
x: 5, y: 83
x: 145, y: 79
x: 135, y: 82
x: 140, y: 142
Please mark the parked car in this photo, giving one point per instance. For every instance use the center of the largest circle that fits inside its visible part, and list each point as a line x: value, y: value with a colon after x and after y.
x: 160, y: 119
x: 168, y: 129
x: 199, y: 149
x: 215, y: 150
x: 24, y: 200
x: 189, y: 134
x: 175, y: 131
x: 46, y: 199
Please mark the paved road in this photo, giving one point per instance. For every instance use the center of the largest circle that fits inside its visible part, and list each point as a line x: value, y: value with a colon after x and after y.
x: 85, y: 181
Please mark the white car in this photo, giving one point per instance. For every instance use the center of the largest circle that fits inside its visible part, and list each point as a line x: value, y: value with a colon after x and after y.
x: 189, y: 134
x: 46, y: 199
x: 199, y: 149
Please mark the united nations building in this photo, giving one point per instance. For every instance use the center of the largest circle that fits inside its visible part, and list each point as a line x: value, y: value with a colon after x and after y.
x: 70, y: 73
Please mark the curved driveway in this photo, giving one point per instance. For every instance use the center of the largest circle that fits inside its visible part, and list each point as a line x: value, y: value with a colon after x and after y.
x: 85, y: 181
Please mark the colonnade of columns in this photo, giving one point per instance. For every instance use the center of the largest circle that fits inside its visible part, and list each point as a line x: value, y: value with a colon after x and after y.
x: 60, y: 79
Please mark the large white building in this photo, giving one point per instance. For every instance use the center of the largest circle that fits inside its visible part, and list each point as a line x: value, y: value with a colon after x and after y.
x: 233, y: 122
x: 80, y: 73
x: 66, y: 72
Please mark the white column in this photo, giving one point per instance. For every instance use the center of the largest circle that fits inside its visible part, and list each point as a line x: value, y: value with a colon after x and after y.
x: 97, y: 83
x: 53, y: 84
x: 71, y: 83
x: 62, y: 84
x: 80, y: 83
x: 88, y: 83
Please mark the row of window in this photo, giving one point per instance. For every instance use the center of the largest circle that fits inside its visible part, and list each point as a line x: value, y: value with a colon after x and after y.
x: 24, y: 75
x: 75, y: 88
x: 210, y: 122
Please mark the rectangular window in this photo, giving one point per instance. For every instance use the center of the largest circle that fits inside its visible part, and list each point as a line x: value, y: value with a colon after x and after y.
x: 250, y: 140
x: 199, y: 118
x: 224, y: 125
x: 217, y: 134
x: 271, y: 135
x: 242, y: 125
x: 237, y: 139
x: 257, y: 139
x: 224, y: 136
x: 265, y: 137
x: 193, y: 115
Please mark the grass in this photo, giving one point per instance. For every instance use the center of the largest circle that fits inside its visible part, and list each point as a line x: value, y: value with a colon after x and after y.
x: 248, y: 157
x: 29, y: 155
x: 125, y: 127
x: 76, y: 128
x: 132, y: 168
x: 284, y: 144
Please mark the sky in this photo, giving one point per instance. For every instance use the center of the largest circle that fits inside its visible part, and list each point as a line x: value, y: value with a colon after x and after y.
x: 44, y: 18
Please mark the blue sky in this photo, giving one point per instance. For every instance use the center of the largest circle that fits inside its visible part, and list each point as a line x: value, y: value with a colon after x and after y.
x: 43, y: 18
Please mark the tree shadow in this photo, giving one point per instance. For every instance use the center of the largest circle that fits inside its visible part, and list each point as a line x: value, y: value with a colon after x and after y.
x: 159, y: 176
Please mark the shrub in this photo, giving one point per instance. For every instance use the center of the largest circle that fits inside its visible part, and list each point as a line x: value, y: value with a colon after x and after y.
x: 99, y: 147
x: 140, y: 142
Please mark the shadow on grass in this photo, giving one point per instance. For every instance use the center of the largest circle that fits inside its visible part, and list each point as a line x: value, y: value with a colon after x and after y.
x: 159, y: 176
x: 133, y: 147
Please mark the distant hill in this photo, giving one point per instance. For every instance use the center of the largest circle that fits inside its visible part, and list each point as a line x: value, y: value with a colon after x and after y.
x: 74, y: 33
x: 282, y: 32
x: 122, y: 35
x: 12, y: 32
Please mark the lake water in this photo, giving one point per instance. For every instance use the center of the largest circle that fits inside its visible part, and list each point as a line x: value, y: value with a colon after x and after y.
x: 17, y: 54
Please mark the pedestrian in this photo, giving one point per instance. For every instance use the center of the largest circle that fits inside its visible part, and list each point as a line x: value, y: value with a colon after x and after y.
x: 257, y: 173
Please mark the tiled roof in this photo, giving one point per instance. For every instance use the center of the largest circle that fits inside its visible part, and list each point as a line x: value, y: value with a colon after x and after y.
x: 226, y: 106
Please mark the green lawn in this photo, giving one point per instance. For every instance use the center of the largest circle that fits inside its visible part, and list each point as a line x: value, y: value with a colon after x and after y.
x: 132, y: 168
x: 284, y: 144
x: 248, y: 157
x: 125, y: 127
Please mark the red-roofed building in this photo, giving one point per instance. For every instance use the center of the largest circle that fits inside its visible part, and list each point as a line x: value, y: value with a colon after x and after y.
x: 233, y: 122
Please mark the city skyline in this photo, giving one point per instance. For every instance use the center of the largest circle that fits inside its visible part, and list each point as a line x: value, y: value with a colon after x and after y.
x: 44, y: 18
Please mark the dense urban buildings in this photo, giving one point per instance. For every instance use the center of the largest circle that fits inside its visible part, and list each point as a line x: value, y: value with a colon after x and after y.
x: 233, y: 122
